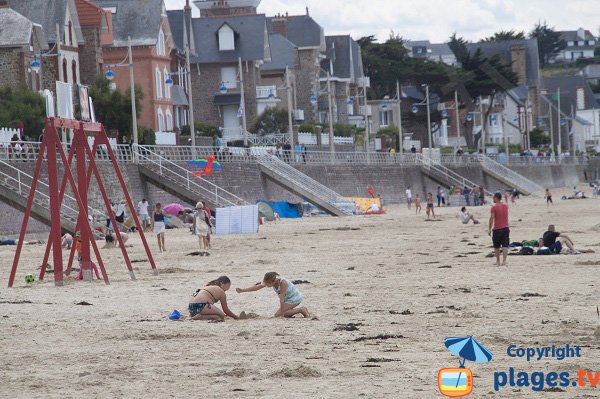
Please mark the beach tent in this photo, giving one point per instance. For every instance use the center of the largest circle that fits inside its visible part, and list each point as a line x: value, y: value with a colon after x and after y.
x: 265, y: 211
x: 285, y: 210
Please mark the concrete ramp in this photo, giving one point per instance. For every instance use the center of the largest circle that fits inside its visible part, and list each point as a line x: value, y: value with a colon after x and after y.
x: 300, y: 184
x: 182, y: 183
x: 510, y: 177
x: 443, y: 175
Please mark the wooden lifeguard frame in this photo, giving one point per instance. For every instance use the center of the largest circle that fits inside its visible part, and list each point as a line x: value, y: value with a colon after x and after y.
x: 51, y: 146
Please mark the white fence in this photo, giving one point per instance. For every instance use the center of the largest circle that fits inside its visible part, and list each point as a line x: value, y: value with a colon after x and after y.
x: 6, y: 134
x: 311, y: 139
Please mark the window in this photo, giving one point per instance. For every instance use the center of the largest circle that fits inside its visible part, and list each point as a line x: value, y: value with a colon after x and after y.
x: 581, y: 43
x: 70, y: 33
x: 160, y: 119
x: 74, y: 70
x: 226, y: 38
x: 323, y: 117
x: 159, y: 83
x: 494, y: 120
x: 384, y: 118
x: 65, y: 73
x: 592, y: 42
x: 167, y: 87
x: 160, y: 45
x: 169, y: 120
x: 229, y: 77
x: 571, y: 43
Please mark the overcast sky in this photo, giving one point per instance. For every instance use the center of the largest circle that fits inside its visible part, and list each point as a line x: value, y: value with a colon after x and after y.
x: 435, y: 20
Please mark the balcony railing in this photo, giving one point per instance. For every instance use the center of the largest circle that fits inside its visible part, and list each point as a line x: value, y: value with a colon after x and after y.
x: 266, y: 91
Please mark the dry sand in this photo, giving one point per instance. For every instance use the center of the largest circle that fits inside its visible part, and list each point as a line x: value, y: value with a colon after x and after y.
x: 410, y: 282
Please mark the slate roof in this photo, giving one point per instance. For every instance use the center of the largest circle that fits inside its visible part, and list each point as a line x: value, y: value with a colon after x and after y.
x: 345, y: 56
x: 251, y: 39
x: 503, y: 49
x: 573, y: 36
x: 179, y: 96
x: 15, y: 29
x: 437, y: 49
x: 140, y: 19
x: 283, y: 53
x: 177, y: 25
x: 47, y: 13
x: 568, y: 91
x: 301, y: 30
x: 519, y: 94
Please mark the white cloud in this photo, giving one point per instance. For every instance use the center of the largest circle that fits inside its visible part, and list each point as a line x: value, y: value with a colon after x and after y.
x: 435, y: 20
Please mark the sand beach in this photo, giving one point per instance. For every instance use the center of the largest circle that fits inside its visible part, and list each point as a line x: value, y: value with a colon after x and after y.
x: 384, y: 291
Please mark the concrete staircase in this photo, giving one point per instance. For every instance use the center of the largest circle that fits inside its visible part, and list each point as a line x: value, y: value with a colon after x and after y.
x: 15, y: 189
x: 301, y: 184
x: 509, y: 177
x: 443, y: 175
x: 181, y: 183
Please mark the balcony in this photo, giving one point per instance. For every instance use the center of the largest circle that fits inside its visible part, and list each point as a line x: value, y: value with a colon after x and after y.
x: 263, y: 92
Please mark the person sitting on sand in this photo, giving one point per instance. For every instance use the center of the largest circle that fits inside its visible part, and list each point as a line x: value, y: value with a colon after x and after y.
x: 202, y: 305
x: 289, y: 296
x: 66, y: 241
x: 466, y: 216
x: 429, y: 208
x: 113, y: 242
x: 549, y: 239
x: 417, y: 204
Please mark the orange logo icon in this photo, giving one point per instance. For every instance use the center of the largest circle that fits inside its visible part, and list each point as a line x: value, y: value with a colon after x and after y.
x: 455, y: 382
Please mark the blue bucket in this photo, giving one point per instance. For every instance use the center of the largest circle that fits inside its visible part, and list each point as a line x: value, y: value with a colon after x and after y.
x: 175, y: 315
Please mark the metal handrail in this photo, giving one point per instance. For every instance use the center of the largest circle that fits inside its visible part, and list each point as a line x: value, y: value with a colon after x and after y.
x: 518, y: 179
x: 448, y: 173
x: 172, y: 170
x: 68, y: 211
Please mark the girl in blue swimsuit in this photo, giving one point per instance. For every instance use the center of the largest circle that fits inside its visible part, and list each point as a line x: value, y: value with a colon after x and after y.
x: 289, y: 296
x: 202, y: 304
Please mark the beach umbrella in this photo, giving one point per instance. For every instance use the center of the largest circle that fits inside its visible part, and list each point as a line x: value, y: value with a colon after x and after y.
x: 173, y: 209
x: 203, y: 163
x: 468, y: 348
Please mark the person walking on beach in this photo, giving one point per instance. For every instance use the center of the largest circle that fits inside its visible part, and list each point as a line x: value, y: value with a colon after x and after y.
x: 439, y: 196
x: 498, y: 228
x: 429, y: 208
x: 481, y: 196
x: 289, y: 296
x: 202, y: 227
x: 475, y: 192
x: 466, y: 192
x: 202, y: 305
x: 143, y: 212
x: 408, y: 197
x: 417, y: 204
x: 548, y: 197
x: 158, y: 226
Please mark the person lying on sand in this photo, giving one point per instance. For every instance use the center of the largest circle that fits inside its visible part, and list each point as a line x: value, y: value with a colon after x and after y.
x: 202, y: 305
x: 289, y: 296
x: 15, y: 242
x: 465, y: 216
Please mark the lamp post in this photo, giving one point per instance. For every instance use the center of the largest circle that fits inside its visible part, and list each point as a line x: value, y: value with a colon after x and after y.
x: 331, y: 144
x: 242, y: 114
x: 428, y: 117
x: 110, y: 75
x: 289, y: 106
x: 400, y: 138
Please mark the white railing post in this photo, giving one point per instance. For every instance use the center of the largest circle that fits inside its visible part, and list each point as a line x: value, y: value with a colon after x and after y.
x: 188, y: 179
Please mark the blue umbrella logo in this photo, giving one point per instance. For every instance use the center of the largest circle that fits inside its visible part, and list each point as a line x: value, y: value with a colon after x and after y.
x: 456, y: 382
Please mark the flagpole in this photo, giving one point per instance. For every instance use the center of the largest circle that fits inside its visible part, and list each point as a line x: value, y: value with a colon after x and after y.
x: 559, y: 152
x: 242, y: 102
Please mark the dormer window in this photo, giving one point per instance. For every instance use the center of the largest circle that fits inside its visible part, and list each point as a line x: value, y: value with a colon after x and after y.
x: 226, y: 38
x: 160, y: 45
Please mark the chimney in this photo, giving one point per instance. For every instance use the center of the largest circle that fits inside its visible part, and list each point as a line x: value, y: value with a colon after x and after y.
x: 280, y: 25
x: 580, y: 99
x: 4, y: 4
x: 518, y: 55
x: 581, y: 33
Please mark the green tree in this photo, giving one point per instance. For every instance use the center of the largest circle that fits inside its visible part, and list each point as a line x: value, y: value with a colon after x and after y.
x: 113, y: 108
x: 505, y: 35
x: 483, y: 77
x: 549, y: 42
x: 538, y: 137
x: 22, y: 106
x: 202, y: 129
x: 272, y: 120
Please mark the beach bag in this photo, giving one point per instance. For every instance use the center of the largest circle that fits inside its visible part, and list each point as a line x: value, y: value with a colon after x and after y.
x: 526, y: 251
x: 529, y: 243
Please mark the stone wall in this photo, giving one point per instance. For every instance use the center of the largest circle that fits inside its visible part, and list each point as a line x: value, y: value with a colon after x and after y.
x: 11, y: 68
x: 306, y: 77
x: 90, y: 55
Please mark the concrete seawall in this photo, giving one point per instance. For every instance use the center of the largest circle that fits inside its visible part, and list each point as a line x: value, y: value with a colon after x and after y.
x: 352, y: 180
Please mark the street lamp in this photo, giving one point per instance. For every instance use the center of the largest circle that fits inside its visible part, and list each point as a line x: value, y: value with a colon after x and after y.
x: 426, y: 103
x: 35, y: 64
x: 242, y: 109
x: 110, y: 75
x: 313, y: 101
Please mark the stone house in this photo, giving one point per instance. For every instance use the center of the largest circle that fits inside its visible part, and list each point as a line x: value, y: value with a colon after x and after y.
x: 147, y: 24
x: 20, y: 40
x: 308, y: 38
x: 343, y: 61
x: 61, y: 26
x: 96, y: 28
x: 437, y: 52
